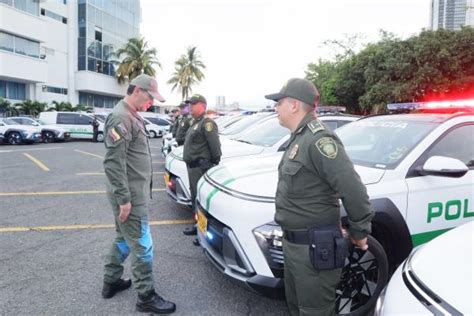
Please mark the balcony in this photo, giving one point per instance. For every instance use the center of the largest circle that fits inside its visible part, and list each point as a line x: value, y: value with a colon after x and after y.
x: 88, y: 81
x: 23, y: 68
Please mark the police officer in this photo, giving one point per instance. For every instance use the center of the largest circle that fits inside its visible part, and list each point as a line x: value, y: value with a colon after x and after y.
x: 177, y: 119
x: 202, y: 148
x: 314, y: 173
x: 95, y: 129
x: 128, y: 168
x: 185, y: 121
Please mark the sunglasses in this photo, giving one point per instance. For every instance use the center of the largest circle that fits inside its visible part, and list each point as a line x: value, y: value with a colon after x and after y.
x: 148, y: 93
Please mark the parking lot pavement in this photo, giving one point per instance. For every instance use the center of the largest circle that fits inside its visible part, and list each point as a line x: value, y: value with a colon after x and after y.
x: 56, y: 226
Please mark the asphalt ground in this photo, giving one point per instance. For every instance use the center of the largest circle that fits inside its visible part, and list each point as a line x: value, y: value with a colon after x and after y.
x: 56, y: 226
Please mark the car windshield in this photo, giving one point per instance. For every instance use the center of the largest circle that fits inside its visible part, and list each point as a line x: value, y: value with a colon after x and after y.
x: 382, y: 142
x: 243, y: 124
x: 226, y: 121
x: 266, y: 134
x: 25, y: 121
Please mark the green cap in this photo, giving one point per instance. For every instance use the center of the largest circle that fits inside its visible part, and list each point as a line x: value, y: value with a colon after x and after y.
x: 149, y: 84
x: 297, y: 88
x: 196, y: 98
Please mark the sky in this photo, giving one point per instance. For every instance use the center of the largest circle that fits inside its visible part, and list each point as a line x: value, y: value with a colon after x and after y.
x: 252, y: 47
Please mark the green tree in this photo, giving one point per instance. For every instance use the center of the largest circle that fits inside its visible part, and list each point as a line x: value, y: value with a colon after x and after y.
x: 135, y: 58
x: 83, y: 108
x: 32, y: 108
x: 7, y: 108
x: 62, y: 106
x: 188, y: 71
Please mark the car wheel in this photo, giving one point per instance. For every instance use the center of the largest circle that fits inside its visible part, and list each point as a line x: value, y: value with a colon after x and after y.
x: 152, y: 134
x: 48, y: 137
x: 363, y: 278
x: 100, y: 137
x: 14, y: 138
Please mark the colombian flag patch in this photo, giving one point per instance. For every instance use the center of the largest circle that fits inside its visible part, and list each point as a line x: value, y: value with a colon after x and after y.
x: 114, y: 135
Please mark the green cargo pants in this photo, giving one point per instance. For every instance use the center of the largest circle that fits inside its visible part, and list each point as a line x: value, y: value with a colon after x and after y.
x: 308, y: 291
x: 194, y: 174
x: 132, y: 237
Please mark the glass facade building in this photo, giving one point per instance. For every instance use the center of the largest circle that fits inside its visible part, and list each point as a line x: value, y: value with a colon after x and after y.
x: 104, y: 26
x: 450, y: 14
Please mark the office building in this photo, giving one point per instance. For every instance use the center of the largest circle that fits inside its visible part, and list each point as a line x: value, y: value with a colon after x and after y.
x: 451, y: 14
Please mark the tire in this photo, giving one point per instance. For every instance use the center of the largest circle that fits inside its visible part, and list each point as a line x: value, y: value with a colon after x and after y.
x: 48, y: 137
x: 100, y: 137
x: 153, y: 134
x: 14, y: 138
x: 363, y: 278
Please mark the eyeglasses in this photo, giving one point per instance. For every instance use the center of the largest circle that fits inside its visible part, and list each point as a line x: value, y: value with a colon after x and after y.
x: 148, y: 93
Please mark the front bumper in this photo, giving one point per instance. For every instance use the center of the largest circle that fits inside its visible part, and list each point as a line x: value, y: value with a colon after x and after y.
x: 35, y: 137
x: 223, y: 249
x: 176, y: 189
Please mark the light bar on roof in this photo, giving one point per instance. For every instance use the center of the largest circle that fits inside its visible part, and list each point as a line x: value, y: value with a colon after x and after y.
x: 432, y: 106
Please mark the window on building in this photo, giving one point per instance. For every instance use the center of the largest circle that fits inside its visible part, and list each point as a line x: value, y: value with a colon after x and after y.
x: 6, y: 42
x: 19, y: 45
x: 12, y: 90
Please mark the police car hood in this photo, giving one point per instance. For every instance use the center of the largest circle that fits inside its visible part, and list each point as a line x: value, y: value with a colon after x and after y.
x: 445, y: 264
x: 28, y: 128
x: 230, y: 149
x: 258, y: 176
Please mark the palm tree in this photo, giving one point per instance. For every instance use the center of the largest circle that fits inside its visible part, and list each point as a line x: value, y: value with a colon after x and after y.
x: 137, y: 59
x: 7, y: 108
x: 62, y: 106
x: 83, y: 108
x: 188, y: 71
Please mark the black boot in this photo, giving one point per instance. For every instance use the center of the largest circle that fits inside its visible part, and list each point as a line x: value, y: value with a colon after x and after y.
x: 153, y: 303
x: 109, y: 290
x: 190, y: 231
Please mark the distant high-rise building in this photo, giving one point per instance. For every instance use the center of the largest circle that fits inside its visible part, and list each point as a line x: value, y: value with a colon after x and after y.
x: 451, y: 14
x: 220, y: 101
x: 60, y: 50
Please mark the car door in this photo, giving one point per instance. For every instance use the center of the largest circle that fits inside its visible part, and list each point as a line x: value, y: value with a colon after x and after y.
x: 438, y: 203
x: 84, y: 126
x: 68, y: 122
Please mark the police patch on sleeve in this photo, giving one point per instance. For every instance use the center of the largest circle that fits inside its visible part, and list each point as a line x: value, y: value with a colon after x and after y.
x: 327, y: 147
x: 209, y: 126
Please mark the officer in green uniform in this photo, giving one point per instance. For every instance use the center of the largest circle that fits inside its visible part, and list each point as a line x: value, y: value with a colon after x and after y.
x: 128, y: 168
x: 314, y: 173
x: 202, y: 148
x: 177, y: 113
x: 185, y: 121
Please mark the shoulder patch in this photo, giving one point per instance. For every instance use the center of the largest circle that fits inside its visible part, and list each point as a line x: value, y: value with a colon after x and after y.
x: 315, y: 126
x: 114, y: 135
x: 209, y: 126
x: 327, y: 147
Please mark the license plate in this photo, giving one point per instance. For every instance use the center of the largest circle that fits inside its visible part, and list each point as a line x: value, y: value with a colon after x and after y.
x: 201, y: 222
x: 167, y: 178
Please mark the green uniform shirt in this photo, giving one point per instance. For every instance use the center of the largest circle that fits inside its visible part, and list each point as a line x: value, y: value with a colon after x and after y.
x: 202, y: 141
x: 185, y: 122
x: 314, y: 173
x: 127, y: 161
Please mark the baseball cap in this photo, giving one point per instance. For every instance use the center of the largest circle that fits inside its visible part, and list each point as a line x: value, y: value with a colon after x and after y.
x: 196, y: 98
x: 297, y: 88
x: 149, y: 84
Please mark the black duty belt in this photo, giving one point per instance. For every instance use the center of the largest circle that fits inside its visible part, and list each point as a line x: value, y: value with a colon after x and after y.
x: 296, y: 236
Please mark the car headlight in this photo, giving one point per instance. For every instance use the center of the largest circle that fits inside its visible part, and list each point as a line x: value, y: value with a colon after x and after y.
x: 270, y: 239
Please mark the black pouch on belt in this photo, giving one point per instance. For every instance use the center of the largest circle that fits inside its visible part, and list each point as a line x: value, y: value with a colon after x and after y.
x: 328, y: 249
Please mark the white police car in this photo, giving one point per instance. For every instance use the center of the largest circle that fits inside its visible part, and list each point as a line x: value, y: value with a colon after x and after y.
x: 265, y: 137
x: 49, y: 132
x: 15, y: 134
x: 418, y: 169
x: 436, y: 279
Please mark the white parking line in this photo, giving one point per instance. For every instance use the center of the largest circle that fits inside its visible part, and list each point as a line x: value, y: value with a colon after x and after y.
x: 32, y: 149
x: 90, y: 154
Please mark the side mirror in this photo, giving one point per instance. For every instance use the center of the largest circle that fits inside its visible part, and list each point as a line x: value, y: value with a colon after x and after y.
x: 444, y: 167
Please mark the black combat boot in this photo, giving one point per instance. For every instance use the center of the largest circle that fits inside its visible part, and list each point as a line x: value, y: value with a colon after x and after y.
x: 190, y: 231
x: 153, y: 303
x: 109, y: 290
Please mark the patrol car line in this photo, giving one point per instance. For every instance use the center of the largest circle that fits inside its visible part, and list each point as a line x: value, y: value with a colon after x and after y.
x: 14, y: 133
x: 49, y: 132
x: 265, y: 136
x: 418, y: 173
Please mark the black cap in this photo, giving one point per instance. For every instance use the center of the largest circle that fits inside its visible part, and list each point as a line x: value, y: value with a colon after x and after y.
x: 297, y: 88
x: 196, y: 98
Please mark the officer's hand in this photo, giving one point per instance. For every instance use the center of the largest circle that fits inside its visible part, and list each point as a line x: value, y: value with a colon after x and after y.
x: 124, y: 212
x: 362, y: 244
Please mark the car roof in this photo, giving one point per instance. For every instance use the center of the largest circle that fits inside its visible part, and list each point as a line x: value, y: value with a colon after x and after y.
x: 420, y: 117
